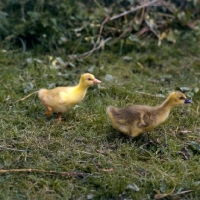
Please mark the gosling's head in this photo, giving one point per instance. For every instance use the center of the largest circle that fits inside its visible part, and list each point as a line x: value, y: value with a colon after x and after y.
x: 88, y: 80
x: 178, y: 98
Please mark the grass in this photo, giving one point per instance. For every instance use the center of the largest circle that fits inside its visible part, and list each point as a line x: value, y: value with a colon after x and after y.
x: 161, y: 164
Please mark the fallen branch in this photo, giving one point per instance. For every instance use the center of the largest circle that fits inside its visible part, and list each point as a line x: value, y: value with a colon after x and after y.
x: 98, y: 38
x: 102, y: 43
x: 132, y: 10
x: 68, y: 174
x: 78, y: 56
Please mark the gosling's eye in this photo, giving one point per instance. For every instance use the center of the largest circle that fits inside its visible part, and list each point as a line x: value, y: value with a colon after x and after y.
x: 181, y: 98
x: 89, y: 79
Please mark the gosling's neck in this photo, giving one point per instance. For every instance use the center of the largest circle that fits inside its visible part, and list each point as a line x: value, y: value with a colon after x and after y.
x: 162, y: 111
x: 165, y: 106
x: 80, y: 90
x: 81, y: 86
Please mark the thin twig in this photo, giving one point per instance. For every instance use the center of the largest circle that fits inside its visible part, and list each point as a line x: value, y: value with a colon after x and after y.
x: 142, y: 16
x: 148, y: 94
x: 71, y: 57
x: 160, y: 196
x: 132, y: 10
x: 126, y: 31
x: 3, y: 147
x: 26, y: 96
x: 68, y: 174
x: 152, y: 30
x: 91, y: 51
x: 99, y: 37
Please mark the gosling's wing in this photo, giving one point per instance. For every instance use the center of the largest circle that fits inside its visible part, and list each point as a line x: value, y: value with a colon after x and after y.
x: 147, y: 117
x: 63, y: 97
x: 56, y: 96
x: 145, y: 120
x: 127, y: 115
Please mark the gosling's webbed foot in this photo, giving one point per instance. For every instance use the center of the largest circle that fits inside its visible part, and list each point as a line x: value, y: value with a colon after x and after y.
x: 59, y: 117
x: 48, y: 113
x: 49, y: 109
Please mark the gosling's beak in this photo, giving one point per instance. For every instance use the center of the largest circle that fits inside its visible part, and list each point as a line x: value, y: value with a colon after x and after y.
x: 96, y: 81
x: 188, y: 100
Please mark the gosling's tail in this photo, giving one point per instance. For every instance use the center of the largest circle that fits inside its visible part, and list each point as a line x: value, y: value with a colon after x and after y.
x: 41, y: 93
x: 116, y: 115
x: 111, y: 111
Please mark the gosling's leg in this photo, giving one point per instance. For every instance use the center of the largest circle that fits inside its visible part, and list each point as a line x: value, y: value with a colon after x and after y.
x: 49, y: 109
x: 59, y: 116
x: 135, y: 131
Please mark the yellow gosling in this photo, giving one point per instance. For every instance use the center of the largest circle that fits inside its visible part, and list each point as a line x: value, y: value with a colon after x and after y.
x: 61, y: 99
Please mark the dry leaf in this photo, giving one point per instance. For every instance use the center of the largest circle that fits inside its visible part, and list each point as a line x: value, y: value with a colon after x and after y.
x: 107, y: 170
x: 101, y: 151
x: 185, y: 131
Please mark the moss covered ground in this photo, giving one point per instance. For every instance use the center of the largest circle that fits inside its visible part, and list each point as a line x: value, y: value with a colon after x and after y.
x: 83, y: 157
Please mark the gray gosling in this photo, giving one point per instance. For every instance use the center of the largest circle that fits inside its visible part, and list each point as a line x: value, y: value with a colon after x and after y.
x: 136, y: 119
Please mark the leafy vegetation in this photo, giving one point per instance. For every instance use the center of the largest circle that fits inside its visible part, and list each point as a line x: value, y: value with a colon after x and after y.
x: 61, y: 25
x: 83, y: 157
